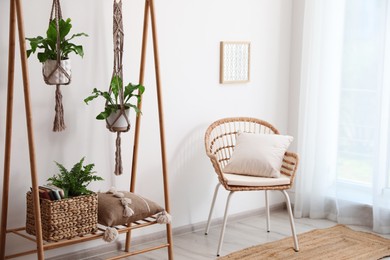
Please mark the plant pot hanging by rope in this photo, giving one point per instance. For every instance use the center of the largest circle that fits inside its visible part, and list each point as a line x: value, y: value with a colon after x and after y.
x: 118, y: 97
x: 53, y: 54
x: 57, y: 72
x: 117, y: 85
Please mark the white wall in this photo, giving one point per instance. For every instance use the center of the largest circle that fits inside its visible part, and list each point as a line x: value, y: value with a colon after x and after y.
x: 298, y: 10
x: 189, y: 35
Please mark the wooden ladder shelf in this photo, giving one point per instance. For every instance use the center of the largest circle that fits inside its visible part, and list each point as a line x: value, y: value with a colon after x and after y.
x: 16, y: 19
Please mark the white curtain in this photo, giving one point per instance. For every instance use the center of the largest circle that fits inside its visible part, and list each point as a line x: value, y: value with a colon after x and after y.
x: 343, y: 134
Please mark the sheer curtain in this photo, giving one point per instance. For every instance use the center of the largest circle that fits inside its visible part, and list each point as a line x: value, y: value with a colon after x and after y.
x: 343, y: 135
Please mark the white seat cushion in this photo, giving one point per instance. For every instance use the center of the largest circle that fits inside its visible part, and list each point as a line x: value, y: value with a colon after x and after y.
x: 244, y: 180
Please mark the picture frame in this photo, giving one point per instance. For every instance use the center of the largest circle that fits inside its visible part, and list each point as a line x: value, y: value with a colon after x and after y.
x: 234, y: 62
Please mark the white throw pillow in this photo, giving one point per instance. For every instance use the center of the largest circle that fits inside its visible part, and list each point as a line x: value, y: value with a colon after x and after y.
x: 258, y: 154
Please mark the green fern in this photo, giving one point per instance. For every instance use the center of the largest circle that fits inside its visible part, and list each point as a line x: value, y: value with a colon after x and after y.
x: 75, y: 182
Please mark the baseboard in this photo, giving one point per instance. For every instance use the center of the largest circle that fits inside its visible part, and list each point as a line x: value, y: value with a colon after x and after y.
x: 162, y: 234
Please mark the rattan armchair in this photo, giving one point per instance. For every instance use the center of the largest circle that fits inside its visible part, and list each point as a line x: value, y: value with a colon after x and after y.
x: 220, y: 140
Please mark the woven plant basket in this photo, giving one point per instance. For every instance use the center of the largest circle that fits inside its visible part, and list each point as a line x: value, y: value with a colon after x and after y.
x: 64, y: 219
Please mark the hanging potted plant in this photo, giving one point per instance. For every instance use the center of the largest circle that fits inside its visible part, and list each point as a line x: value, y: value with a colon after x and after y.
x: 53, y: 72
x: 116, y: 113
x: 118, y: 97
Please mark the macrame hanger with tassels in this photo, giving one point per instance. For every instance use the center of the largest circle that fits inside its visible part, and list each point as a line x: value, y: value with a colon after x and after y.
x: 118, y: 39
x: 58, y: 72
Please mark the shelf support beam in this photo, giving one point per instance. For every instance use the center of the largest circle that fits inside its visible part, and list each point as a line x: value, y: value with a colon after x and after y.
x: 8, y: 131
x: 16, y: 17
x: 149, y: 10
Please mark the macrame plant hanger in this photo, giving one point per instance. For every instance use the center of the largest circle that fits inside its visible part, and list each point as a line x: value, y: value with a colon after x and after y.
x: 118, y: 40
x: 59, y: 70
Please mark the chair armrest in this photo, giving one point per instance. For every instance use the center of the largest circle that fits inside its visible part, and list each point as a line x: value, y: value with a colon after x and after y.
x: 290, y: 165
x: 218, y: 169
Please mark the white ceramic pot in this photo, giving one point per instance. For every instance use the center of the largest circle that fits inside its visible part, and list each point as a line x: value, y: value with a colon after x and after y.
x: 117, y: 122
x: 53, y: 75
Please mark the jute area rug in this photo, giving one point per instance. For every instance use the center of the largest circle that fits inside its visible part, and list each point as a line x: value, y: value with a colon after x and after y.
x: 338, y: 242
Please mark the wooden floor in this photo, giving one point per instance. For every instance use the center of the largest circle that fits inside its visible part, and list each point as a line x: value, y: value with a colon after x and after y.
x: 239, y: 234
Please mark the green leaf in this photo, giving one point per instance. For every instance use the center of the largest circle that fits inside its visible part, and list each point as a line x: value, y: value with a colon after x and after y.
x: 135, y: 108
x: 34, y: 44
x: 51, y: 32
x: 107, y: 96
x: 96, y: 93
x: 29, y: 53
x: 67, y: 48
x: 79, y: 50
x: 130, y: 88
x: 50, y: 47
x: 105, y: 114
x: 141, y: 89
x: 63, y: 170
x: 78, y: 35
x: 77, y: 167
x: 42, y: 57
x: 116, y: 87
x: 88, y: 168
x: 90, y: 98
x: 65, y: 27
x: 102, y: 116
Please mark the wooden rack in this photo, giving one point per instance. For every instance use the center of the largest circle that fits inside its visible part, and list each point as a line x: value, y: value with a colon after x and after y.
x: 16, y: 18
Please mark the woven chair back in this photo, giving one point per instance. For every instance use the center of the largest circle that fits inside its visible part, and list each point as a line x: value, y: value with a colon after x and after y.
x: 220, y: 137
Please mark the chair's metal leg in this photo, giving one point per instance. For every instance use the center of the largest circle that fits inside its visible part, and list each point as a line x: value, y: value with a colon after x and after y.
x: 224, y: 223
x: 267, y: 210
x: 296, y: 246
x: 212, y: 208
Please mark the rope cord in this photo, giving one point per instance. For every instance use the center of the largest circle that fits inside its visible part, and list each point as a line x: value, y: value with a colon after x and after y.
x: 118, y: 155
x: 59, y: 123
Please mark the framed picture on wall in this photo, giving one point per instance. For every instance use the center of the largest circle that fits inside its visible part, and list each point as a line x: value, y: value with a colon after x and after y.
x: 235, y: 62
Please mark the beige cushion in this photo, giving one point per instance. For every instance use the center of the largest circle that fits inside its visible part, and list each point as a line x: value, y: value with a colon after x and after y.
x: 242, y: 180
x: 110, y: 209
x: 258, y: 154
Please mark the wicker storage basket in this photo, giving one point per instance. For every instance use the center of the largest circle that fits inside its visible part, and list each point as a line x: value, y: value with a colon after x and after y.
x: 64, y: 219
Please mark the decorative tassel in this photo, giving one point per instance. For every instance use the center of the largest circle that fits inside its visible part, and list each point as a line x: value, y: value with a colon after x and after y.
x: 118, y: 155
x: 116, y: 193
x: 127, y: 211
x: 126, y: 201
x: 119, y: 194
x: 110, y: 234
x: 164, y: 218
x: 59, y: 123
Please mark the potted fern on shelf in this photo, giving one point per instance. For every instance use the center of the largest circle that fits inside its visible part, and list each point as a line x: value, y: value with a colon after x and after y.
x: 48, y: 50
x: 77, y: 209
x: 115, y: 112
x: 75, y: 182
